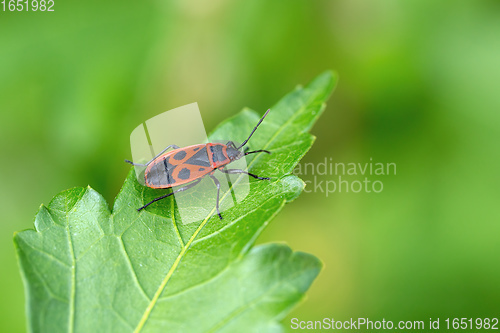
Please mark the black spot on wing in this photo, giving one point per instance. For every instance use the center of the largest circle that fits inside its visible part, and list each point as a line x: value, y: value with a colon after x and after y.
x: 184, y: 174
x: 201, y: 169
x: 200, y: 158
x: 180, y: 155
x: 196, y: 149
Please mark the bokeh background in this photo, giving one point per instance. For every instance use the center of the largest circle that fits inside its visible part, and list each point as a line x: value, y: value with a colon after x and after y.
x: 419, y: 87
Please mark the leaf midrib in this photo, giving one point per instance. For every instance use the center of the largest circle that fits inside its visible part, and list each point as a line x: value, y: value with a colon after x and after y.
x: 162, y: 286
x: 160, y: 289
x: 71, y: 323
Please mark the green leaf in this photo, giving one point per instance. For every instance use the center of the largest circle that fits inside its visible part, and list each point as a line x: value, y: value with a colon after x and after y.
x: 86, y: 269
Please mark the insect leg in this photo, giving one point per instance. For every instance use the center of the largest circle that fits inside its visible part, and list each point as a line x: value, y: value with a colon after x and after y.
x: 258, y: 151
x: 154, y: 158
x: 217, y: 183
x: 169, y: 194
x: 243, y: 171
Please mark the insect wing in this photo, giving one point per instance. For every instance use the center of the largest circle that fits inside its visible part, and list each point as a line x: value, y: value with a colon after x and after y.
x: 178, y: 167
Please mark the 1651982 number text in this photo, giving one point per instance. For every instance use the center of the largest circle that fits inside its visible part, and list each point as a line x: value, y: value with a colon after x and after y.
x: 27, y: 5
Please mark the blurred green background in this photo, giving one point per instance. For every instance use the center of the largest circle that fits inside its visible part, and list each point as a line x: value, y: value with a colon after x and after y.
x: 419, y: 87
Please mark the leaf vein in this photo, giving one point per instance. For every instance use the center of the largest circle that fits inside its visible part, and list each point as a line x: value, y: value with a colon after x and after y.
x: 49, y: 255
x: 71, y: 323
x: 132, y: 270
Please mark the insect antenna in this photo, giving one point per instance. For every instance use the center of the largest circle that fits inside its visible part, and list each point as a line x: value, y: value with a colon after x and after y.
x: 254, y: 129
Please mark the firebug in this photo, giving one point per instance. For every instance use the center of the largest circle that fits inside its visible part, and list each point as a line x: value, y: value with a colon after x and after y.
x: 187, y: 166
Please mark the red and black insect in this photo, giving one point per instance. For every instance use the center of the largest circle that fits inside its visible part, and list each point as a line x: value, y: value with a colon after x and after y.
x: 189, y: 165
